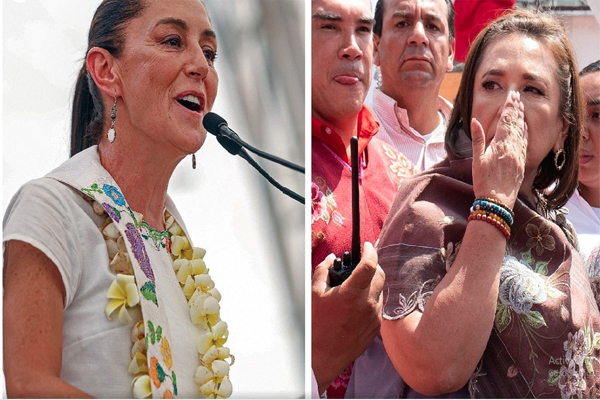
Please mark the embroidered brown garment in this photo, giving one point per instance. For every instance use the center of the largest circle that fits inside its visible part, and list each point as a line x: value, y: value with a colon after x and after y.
x: 546, y: 336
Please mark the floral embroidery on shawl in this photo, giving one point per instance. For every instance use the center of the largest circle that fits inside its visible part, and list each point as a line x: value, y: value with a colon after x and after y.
x: 135, y: 233
x: 139, y: 251
x: 577, y: 364
x: 417, y: 300
x: 539, y: 238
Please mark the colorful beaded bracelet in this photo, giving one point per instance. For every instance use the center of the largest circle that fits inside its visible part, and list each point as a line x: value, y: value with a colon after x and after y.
x: 498, y: 203
x: 493, y: 208
x: 493, y: 216
x: 489, y: 218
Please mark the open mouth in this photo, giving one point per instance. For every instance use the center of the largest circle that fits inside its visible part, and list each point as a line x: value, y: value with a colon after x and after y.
x: 190, y: 102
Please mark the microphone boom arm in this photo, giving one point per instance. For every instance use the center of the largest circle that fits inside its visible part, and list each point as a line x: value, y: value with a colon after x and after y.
x: 244, y: 154
x: 263, y: 154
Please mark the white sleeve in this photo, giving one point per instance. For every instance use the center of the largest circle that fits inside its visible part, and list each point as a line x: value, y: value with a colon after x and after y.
x: 53, y: 218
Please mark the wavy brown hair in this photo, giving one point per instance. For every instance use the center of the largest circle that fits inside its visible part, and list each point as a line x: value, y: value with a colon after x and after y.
x: 549, y: 31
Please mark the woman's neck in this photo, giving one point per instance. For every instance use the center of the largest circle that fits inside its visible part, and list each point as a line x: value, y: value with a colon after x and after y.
x: 143, y: 175
x: 590, y: 194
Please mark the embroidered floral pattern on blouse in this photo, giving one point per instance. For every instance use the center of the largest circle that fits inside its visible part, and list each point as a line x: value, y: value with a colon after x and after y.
x: 417, y: 300
x: 524, y: 283
x: 318, y: 203
x: 539, y: 237
x: 323, y: 204
x: 522, y: 286
x: 577, y: 364
x: 400, y: 166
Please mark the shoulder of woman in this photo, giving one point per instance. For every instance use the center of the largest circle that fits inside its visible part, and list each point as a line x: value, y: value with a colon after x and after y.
x: 55, y: 219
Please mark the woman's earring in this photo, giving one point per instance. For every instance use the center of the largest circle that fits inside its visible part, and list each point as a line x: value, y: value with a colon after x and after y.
x: 557, y: 155
x: 112, y: 134
x: 194, y: 161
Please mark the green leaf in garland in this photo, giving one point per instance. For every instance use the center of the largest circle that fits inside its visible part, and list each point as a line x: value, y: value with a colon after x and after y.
x: 174, y: 382
x: 149, y: 292
x: 158, y: 333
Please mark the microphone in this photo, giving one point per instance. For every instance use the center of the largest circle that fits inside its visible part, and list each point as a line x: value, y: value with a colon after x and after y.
x: 217, y: 125
x: 227, y: 138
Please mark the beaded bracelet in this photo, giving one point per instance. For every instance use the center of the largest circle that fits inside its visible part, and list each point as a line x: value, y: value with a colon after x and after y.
x: 498, y: 203
x: 486, y: 205
x: 493, y: 219
x: 493, y: 216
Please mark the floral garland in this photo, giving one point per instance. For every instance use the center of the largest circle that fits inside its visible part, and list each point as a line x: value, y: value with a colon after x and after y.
x: 212, y: 376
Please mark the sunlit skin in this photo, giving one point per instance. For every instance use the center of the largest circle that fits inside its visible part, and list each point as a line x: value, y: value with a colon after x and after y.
x: 589, y: 161
x: 169, y: 52
x: 535, y: 80
x: 173, y: 43
x: 342, y: 51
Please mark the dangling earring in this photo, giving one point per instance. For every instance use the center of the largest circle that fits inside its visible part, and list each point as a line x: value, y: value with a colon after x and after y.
x: 556, y: 157
x: 194, y: 161
x: 112, y: 134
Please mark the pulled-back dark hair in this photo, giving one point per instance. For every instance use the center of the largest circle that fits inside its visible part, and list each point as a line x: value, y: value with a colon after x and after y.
x: 106, y: 31
x: 593, y: 67
x: 548, y: 30
x: 377, y: 28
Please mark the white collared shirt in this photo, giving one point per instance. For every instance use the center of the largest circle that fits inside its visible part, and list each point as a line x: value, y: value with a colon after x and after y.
x: 586, y: 220
x: 394, y: 129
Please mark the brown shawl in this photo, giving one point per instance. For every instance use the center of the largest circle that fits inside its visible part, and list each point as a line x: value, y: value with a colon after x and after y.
x: 545, y: 342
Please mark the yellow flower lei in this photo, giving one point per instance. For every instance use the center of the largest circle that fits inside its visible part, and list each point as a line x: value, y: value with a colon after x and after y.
x: 212, y: 376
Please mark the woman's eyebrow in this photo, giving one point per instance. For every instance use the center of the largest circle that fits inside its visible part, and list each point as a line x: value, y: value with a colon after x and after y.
x: 183, y: 25
x: 173, y: 21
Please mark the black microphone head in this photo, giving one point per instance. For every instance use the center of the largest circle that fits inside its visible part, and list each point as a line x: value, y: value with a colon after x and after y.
x: 212, y: 122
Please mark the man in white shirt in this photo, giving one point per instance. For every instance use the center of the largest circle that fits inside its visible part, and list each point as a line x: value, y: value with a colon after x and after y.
x: 584, y: 205
x: 414, y: 48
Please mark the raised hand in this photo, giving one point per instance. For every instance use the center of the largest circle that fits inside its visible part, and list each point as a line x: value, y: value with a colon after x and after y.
x: 499, y: 162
